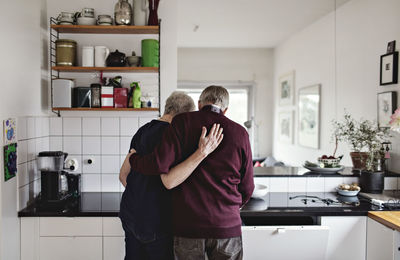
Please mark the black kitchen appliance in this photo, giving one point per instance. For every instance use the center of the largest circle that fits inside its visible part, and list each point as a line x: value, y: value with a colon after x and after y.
x: 57, y: 185
x: 81, y: 97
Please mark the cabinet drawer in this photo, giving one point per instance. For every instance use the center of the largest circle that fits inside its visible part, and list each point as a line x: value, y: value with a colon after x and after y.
x: 112, y: 227
x: 67, y: 248
x: 113, y: 248
x: 78, y: 226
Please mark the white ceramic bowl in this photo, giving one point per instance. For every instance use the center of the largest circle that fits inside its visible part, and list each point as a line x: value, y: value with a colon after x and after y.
x: 86, y: 21
x: 347, y: 193
x: 259, y: 191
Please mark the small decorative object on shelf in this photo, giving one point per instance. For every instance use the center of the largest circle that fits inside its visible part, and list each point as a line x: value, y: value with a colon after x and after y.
x: 153, y: 16
x: 123, y: 13
x: 395, y: 121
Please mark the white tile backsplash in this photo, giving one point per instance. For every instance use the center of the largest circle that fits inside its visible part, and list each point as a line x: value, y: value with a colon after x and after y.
x: 110, y: 126
x: 278, y: 184
x: 129, y: 126
x: 22, y: 151
x: 297, y: 184
x: 30, y: 127
x: 72, y: 144
x: 21, y: 128
x: 331, y: 183
x: 145, y: 120
x: 22, y: 174
x: 56, y: 126
x: 72, y: 126
x: 91, y: 182
x: 125, y: 144
x: 56, y: 143
x: 94, y: 167
x: 23, y: 196
x: 315, y: 184
x: 110, y: 164
x: 38, y: 127
x: 91, y: 126
x: 91, y: 145
x: 110, y: 182
x: 109, y: 145
x: 391, y: 183
x: 31, y: 149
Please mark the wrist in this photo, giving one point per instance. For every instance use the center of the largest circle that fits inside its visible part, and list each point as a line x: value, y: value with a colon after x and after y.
x: 200, y: 154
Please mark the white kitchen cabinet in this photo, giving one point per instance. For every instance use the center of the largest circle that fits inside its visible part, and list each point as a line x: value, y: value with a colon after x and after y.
x: 382, y: 242
x: 113, y: 248
x: 284, y: 242
x: 347, y: 237
x: 74, y: 226
x: 67, y: 248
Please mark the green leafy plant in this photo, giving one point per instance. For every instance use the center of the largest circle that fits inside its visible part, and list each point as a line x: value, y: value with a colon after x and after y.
x: 362, y: 136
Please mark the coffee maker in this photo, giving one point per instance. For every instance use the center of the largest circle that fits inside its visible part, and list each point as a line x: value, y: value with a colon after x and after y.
x: 57, y: 185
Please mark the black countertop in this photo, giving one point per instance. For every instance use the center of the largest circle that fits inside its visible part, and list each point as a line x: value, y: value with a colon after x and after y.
x: 97, y: 204
x: 287, y: 171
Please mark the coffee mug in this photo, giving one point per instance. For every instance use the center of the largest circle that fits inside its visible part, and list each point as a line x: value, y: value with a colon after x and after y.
x: 100, y: 55
x: 87, y: 56
x: 65, y: 17
x: 88, y: 12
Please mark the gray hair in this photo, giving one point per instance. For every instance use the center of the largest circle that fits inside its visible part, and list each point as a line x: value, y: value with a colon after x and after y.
x: 178, y: 102
x: 215, y: 95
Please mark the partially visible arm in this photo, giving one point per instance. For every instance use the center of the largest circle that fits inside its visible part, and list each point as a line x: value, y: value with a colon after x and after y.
x: 182, y: 171
x: 246, y: 185
x: 125, y: 168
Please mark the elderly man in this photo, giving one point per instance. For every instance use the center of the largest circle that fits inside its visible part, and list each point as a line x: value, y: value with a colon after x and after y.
x: 145, y: 205
x: 206, y: 216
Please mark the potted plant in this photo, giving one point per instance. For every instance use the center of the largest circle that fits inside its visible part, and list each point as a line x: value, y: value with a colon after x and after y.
x: 365, y: 139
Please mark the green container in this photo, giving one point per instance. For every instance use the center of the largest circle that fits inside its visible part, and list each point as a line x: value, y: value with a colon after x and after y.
x: 137, y: 94
x: 150, y: 53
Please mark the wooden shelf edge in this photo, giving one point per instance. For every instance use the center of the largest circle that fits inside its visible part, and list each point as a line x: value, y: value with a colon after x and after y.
x: 104, y: 109
x: 111, y: 29
x: 104, y: 69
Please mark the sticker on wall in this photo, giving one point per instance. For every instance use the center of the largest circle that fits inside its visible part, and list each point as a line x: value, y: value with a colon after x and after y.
x: 10, y: 131
x: 10, y: 161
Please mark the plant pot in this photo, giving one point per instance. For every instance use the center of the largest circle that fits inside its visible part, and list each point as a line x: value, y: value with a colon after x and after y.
x: 359, y: 159
x: 372, y: 182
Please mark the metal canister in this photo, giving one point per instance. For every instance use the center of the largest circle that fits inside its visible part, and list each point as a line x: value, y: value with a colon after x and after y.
x: 66, y: 52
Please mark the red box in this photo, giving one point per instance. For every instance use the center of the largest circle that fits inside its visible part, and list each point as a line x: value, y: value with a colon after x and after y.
x: 120, y: 97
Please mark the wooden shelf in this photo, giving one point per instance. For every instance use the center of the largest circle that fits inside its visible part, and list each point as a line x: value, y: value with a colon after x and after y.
x: 110, y: 29
x: 105, y: 69
x: 104, y: 109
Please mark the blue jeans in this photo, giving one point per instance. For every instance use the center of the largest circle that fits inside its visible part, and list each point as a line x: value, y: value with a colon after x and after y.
x: 147, y: 247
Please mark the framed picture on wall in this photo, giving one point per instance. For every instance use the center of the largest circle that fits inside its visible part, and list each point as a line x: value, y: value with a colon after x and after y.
x: 286, y: 127
x: 309, y: 116
x: 389, y: 68
x: 286, y: 89
x: 387, y: 104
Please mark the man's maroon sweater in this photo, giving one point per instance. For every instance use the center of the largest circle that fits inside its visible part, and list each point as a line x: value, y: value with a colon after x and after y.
x: 207, y: 204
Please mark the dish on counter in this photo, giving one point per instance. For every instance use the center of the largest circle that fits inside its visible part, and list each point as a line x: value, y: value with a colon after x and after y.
x: 348, y: 190
x: 316, y: 168
x: 259, y: 191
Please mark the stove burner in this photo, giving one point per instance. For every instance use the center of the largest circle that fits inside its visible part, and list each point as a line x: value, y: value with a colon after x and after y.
x: 315, y: 199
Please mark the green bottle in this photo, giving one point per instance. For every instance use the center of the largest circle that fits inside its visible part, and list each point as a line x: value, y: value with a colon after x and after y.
x: 137, y: 94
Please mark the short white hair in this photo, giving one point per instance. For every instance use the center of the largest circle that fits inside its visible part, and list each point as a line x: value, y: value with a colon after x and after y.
x: 215, y: 95
x: 179, y: 102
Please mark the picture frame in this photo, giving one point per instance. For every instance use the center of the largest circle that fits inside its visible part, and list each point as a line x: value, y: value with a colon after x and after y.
x: 286, y: 89
x: 391, y: 47
x: 286, y: 127
x: 309, y: 120
x: 387, y: 104
x: 389, y: 68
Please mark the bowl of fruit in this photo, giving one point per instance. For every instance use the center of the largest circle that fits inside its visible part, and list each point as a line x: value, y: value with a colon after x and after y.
x: 348, y: 189
x: 329, y: 161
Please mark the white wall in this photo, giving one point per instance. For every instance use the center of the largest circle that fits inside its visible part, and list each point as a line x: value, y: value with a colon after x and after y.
x: 214, y: 64
x: 363, y: 28
x: 24, y: 93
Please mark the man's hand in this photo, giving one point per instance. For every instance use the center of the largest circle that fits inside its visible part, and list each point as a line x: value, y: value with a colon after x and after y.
x: 207, y: 144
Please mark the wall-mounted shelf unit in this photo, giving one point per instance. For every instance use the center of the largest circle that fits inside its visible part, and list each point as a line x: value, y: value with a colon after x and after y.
x: 56, y: 30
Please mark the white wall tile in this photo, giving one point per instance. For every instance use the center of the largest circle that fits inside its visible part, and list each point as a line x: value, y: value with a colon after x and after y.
x: 315, y: 184
x: 72, y: 126
x: 110, y: 126
x: 94, y: 167
x: 72, y: 144
x: 110, y: 164
x: 145, y: 120
x: 278, y: 184
x: 351, y: 180
x: 56, y: 143
x: 56, y: 126
x: 38, y: 127
x: 125, y: 144
x: 22, y: 151
x: 129, y: 126
x: 23, y: 177
x: 297, y: 184
x: 23, y: 197
x: 21, y: 128
x: 30, y: 127
x: 45, y: 126
x: 31, y: 149
x: 33, y: 172
x: 91, y: 144
x: 331, y: 183
x: 42, y: 144
x: 260, y: 180
x: 110, y: 145
x: 390, y: 183
x: 91, y: 126
x: 91, y: 182
x: 110, y: 183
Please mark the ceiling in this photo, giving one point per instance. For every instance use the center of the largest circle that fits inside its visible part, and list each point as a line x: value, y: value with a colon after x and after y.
x: 246, y: 23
